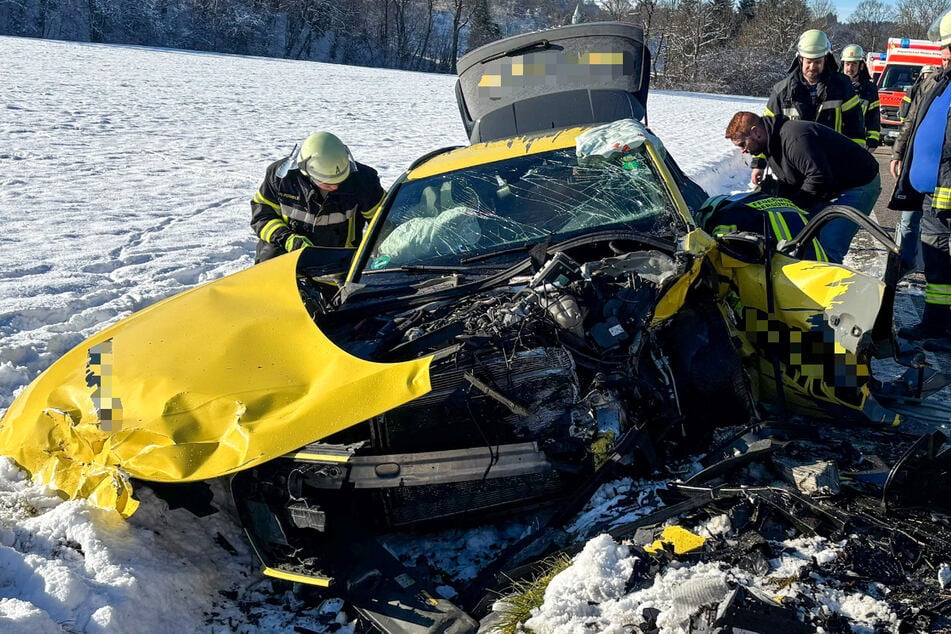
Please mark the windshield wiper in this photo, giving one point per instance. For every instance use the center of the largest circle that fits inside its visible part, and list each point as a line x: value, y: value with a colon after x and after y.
x: 519, y: 50
x: 425, y: 268
x: 520, y: 249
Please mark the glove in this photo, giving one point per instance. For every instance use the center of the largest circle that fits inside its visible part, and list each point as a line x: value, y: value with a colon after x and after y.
x: 295, y: 242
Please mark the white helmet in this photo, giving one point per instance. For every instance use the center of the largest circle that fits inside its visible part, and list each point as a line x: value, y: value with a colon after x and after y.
x: 813, y: 44
x: 324, y: 159
x: 853, y: 53
x: 940, y: 30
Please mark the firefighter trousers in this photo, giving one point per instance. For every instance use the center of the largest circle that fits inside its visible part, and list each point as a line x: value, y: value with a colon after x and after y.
x: 936, y: 253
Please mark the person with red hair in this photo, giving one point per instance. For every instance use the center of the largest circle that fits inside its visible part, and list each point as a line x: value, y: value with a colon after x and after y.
x: 814, y: 166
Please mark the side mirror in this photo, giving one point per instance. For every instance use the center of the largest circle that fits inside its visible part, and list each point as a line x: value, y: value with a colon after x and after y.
x: 745, y: 246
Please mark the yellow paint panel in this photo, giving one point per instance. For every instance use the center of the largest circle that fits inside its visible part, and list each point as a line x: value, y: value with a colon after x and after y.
x: 212, y: 381
x: 322, y: 582
x: 608, y: 59
x: 483, y: 153
x: 698, y: 243
x: 681, y: 539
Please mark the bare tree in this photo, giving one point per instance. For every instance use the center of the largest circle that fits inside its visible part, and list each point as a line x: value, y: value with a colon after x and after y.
x: 777, y: 26
x: 824, y: 13
x: 422, y: 51
x: 696, y: 29
x: 460, y: 18
x: 644, y: 12
x: 617, y: 9
x: 915, y: 16
x: 870, y: 22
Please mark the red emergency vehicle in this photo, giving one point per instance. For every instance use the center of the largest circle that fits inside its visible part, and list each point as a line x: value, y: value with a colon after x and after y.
x: 903, y: 61
x: 876, y: 64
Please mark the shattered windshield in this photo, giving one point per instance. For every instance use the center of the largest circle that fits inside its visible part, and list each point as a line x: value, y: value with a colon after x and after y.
x: 449, y: 217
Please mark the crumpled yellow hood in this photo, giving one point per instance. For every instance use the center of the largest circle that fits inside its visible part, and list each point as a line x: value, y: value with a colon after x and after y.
x: 217, y: 379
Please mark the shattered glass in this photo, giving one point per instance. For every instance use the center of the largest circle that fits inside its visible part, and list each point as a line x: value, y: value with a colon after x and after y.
x: 449, y: 217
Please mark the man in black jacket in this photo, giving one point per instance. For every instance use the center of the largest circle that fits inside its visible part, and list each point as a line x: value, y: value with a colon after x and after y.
x: 814, y: 90
x: 326, y: 200
x: 908, y: 229
x: 815, y: 167
x: 924, y: 183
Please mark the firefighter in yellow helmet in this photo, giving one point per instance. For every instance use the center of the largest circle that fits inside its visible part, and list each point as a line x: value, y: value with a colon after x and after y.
x: 326, y: 200
x: 854, y: 67
x: 924, y: 183
x: 814, y: 90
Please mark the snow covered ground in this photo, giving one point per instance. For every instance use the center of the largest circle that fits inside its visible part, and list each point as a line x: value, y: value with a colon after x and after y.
x: 125, y: 177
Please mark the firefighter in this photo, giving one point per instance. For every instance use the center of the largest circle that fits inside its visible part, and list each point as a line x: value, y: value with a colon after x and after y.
x: 325, y: 200
x: 853, y: 67
x: 815, y: 167
x: 924, y: 182
x: 908, y: 229
x: 814, y: 90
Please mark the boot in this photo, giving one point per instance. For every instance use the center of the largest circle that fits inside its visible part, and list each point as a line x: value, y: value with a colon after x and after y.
x: 934, y: 324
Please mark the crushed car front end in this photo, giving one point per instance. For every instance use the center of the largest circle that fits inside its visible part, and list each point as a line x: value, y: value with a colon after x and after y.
x: 560, y: 289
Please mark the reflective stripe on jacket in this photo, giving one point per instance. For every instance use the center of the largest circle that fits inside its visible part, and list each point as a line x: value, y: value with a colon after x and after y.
x: 868, y: 98
x: 909, y: 112
x: 836, y: 105
x: 293, y: 205
x: 904, y: 197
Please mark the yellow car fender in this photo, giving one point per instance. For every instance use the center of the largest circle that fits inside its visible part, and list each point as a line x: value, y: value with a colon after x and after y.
x: 214, y: 380
x: 818, y: 315
x: 698, y: 244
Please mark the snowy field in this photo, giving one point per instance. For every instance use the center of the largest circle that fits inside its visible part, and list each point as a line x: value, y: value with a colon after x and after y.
x: 125, y: 177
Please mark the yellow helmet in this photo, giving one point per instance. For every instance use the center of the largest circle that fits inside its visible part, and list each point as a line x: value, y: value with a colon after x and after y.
x: 940, y: 30
x: 853, y: 53
x: 813, y: 44
x: 324, y: 159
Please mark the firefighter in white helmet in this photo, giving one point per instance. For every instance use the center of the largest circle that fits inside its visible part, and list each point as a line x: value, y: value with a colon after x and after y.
x: 854, y: 67
x: 326, y: 200
x: 924, y: 183
x: 814, y: 90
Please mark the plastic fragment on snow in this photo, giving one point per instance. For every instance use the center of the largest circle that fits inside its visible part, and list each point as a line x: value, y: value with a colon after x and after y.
x: 747, y: 610
x: 697, y: 592
x: 817, y: 478
x: 682, y: 540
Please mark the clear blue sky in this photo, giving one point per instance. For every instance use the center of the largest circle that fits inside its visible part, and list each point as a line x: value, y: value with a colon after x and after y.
x: 844, y: 8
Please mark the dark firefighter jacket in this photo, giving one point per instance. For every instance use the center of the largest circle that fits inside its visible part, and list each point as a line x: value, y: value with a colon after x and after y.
x: 812, y: 162
x: 868, y: 98
x: 904, y: 197
x: 294, y: 205
x: 777, y: 219
x: 908, y: 111
x: 836, y: 105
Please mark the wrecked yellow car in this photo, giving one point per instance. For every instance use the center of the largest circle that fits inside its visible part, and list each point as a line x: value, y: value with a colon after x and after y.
x: 525, y: 315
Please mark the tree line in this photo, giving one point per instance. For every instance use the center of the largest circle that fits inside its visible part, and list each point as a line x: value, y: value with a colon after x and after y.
x: 721, y: 46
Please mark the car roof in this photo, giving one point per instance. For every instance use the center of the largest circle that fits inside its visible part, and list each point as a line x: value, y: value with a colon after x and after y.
x: 492, y: 151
